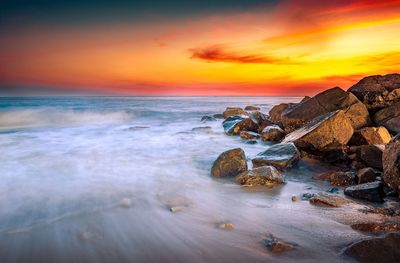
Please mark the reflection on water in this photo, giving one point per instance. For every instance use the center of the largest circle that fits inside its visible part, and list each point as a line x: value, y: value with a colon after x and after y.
x: 80, y: 183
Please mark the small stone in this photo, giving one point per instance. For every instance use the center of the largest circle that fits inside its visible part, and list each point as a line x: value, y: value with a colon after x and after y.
x: 226, y: 226
x: 294, y: 198
x: 175, y: 209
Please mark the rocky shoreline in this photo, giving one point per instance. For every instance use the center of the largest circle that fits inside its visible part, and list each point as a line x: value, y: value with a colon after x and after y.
x: 356, y: 131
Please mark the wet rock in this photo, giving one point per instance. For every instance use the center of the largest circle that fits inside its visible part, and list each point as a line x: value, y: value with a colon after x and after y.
x: 251, y: 142
x: 294, y: 198
x: 218, y: 116
x: 207, y: 118
x: 229, y: 163
x: 232, y: 111
x: 248, y: 135
x: 389, y: 117
x: 276, y: 245
x: 371, y: 155
x: 276, y: 112
x: 337, y: 178
x: 370, y: 135
x: 391, y: 166
x: 377, y: 227
x: 251, y: 108
x: 231, y: 122
x: 307, y: 196
x: 369, y: 191
x: 330, y: 100
x: 246, y: 124
x: 328, y: 131
x: 377, y: 91
x: 281, y: 156
x: 272, y: 133
x: 381, y: 249
x: 366, y: 175
x: 225, y: 226
x: 327, y: 199
x: 260, y: 119
x: 260, y: 176
x: 333, y: 190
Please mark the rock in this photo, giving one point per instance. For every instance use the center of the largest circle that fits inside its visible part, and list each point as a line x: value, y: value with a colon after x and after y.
x: 326, y: 199
x: 377, y: 227
x: 366, y: 175
x: 382, y: 249
x: 251, y: 108
x: 225, y: 226
x: 244, y: 125
x: 305, y: 98
x: 260, y: 119
x: 370, y: 135
x: 260, y: 176
x: 207, y: 118
x: 248, y: 135
x: 377, y: 91
x: 175, y: 209
x: 251, y: 142
x: 272, y: 133
x: 232, y: 111
x: 276, y: 112
x: 294, y: 198
x: 371, y: 155
x: 231, y: 122
x: 337, y: 178
x: 330, y: 100
x: 389, y: 117
x: 276, y: 245
x: 229, y: 163
x: 281, y: 156
x: 391, y: 166
x: 369, y: 191
x: 218, y: 116
x: 307, y: 196
x: 326, y: 132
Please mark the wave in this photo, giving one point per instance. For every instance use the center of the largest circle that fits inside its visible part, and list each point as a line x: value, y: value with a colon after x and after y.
x: 50, y: 117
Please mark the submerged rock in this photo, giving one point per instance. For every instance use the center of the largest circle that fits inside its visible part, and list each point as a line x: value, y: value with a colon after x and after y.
x: 369, y: 191
x: 229, y: 163
x: 281, y: 156
x: 251, y: 108
x: 232, y: 111
x: 370, y: 135
x: 272, y: 133
x: 381, y: 249
x: 276, y: 245
x: 207, y: 118
x: 328, y: 131
x: 218, y: 116
x: 260, y: 176
x: 371, y: 155
x: 327, y: 199
x: 248, y: 135
x: 389, y: 117
x: 391, y: 166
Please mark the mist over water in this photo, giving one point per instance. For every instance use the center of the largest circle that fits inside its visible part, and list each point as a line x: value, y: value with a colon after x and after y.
x: 94, y: 179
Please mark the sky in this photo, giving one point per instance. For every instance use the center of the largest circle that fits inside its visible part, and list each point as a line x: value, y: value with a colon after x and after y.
x: 235, y: 48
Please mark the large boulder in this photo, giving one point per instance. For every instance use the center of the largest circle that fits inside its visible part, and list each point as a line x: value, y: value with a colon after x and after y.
x: 324, y: 102
x: 260, y: 176
x: 371, y: 155
x: 369, y: 191
x: 260, y: 119
x: 272, y: 133
x: 328, y: 131
x: 391, y: 166
x: 232, y: 111
x: 281, y: 156
x: 229, y: 163
x: 377, y: 91
x: 233, y: 125
x: 389, y: 117
x: 370, y: 135
x: 276, y: 112
x: 382, y: 249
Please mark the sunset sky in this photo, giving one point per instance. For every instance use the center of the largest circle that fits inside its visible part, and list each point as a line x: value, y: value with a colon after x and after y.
x: 193, y: 48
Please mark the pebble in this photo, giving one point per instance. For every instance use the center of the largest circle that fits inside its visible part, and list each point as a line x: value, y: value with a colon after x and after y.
x: 294, y: 198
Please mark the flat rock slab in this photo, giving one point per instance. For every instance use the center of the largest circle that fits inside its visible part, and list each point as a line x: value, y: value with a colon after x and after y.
x: 281, y: 156
x: 326, y: 199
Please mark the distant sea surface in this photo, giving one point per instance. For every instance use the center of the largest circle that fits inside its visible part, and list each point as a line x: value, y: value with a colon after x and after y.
x: 92, y: 179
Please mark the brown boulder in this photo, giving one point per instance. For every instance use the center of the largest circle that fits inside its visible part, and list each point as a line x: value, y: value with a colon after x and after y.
x: 337, y: 178
x: 371, y: 155
x: 391, y: 166
x: 328, y: 131
x: 248, y: 135
x: 272, y: 133
x: 366, y: 175
x: 260, y: 119
x: 281, y: 156
x: 326, y: 199
x: 370, y: 135
x: 232, y: 111
x: 251, y: 108
x: 324, y: 102
x: 245, y: 124
x: 276, y: 112
x: 389, y: 117
x: 229, y: 163
x: 260, y: 176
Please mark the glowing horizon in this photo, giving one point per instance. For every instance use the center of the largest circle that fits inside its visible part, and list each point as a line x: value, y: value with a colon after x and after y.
x: 284, y: 48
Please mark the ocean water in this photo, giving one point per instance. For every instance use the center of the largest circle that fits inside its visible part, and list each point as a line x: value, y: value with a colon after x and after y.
x: 92, y: 179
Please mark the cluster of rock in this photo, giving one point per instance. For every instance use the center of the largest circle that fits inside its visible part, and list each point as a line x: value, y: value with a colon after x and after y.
x: 353, y: 128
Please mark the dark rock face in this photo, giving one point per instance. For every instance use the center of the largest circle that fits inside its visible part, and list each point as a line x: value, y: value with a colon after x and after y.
x: 326, y: 199
x: 366, y: 175
x: 248, y: 135
x: 371, y: 155
x: 389, y: 117
x: 250, y: 107
x: 324, y: 102
x: 328, y: 131
x: 260, y: 176
x: 232, y: 111
x: 369, y: 191
x: 229, y: 163
x: 391, y: 166
x: 281, y: 156
x: 370, y: 135
x: 382, y: 249
x: 337, y: 178
x: 276, y: 112
x: 272, y: 133
x: 377, y: 91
